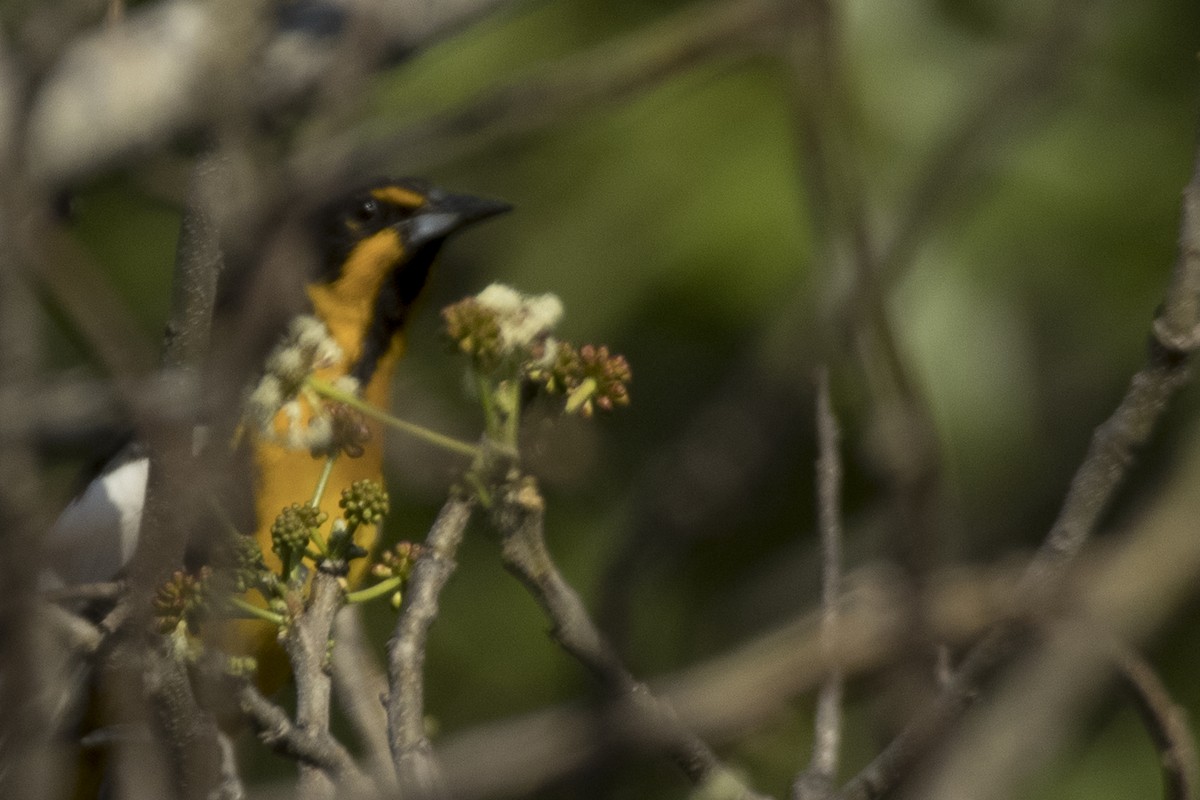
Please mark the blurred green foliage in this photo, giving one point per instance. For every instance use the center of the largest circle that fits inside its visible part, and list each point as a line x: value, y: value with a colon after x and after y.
x: 675, y: 229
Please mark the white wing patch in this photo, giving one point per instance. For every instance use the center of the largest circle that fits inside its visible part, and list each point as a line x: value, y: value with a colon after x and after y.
x: 96, y: 534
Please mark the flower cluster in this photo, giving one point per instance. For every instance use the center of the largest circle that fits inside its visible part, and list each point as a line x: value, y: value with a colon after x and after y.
x: 501, y: 326
x: 182, y: 600
x: 249, y: 568
x: 294, y: 527
x: 509, y: 335
x: 282, y: 408
x: 348, y: 431
x: 395, y: 566
x: 590, y: 377
x: 365, y: 502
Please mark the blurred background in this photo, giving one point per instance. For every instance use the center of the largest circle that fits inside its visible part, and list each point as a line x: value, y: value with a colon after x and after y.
x: 1017, y: 170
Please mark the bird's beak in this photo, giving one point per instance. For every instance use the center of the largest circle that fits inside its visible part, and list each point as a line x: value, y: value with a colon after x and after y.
x: 444, y: 213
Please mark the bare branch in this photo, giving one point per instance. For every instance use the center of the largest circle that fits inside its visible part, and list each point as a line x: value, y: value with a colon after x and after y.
x: 1038, y: 706
x: 740, y: 690
x: 189, y: 737
x: 1103, y: 469
x: 610, y: 72
x: 308, y: 746
x: 307, y: 645
x: 361, y: 689
x: 25, y: 732
x: 518, y: 515
x: 1176, y: 337
x: 817, y: 781
x: 1165, y: 721
x: 198, y: 266
x: 948, y: 179
x: 411, y: 751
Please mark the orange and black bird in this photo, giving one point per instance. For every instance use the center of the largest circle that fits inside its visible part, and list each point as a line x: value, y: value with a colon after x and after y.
x: 376, y: 247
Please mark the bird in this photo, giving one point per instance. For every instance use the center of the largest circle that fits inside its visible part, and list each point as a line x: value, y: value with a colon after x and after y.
x: 375, y: 246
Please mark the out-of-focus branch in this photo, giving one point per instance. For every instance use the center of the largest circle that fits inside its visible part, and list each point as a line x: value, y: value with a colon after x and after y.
x: 75, y: 285
x: 411, y: 752
x: 1135, y: 585
x: 1038, y: 708
x: 63, y: 413
x: 198, y: 266
x: 307, y: 646
x: 1165, y: 721
x: 24, y: 734
x: 174, y: 500
x: 817, y: 781
x: 1103, y: 469
x: 1176, y: 335
x: 738, y: 691
x: 518, y: 514
x: 307, y: 746
x: 610, y: 72
x: 361, y: 689
x: 85, y: 593
x: 139, y: 82
x: 189, y: 735
x: 948, y: 179
x: 904, y: 446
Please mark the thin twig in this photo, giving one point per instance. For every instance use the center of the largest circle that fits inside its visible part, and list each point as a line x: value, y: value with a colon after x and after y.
x: 1043, y: 699
x: 305, y: 745
x: 818, y: 780
x: 948, y: 179
x: 1104, y: 468
x: 412, y: 753
x: 432, y: 437
x: 610, y: 72
x: 85, y: 296
x: 85, y: 593
x: 906, y: 444
x: 1165, y: 721
x: 307, y: 646
x: 361, y: 688
x: 518, y: 515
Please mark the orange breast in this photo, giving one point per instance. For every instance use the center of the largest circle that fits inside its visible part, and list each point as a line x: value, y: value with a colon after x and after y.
x: 285, y: 476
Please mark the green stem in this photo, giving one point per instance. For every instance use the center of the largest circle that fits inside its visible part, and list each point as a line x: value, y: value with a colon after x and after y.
x: 380, y: 589
x: 512, y: 420
x: 481, y: 490
x: 432, y: 437
x: 580, y: 395
x: 487, y: 401
x: 255, y: 612
x: 322, y: 482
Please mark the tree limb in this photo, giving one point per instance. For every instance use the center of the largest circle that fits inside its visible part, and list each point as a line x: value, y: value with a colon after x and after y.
x: 518, y: 516
x: 411, y: 752
x: 817, y: 781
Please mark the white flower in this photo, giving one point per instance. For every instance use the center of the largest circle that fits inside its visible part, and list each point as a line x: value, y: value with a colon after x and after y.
x: 306, y: 347
x: 524, y: 320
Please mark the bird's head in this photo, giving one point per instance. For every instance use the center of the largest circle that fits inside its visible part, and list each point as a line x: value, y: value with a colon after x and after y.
x: 377, y: 245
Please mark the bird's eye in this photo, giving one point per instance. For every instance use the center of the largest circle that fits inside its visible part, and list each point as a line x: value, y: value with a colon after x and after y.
x: 367, y: 211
